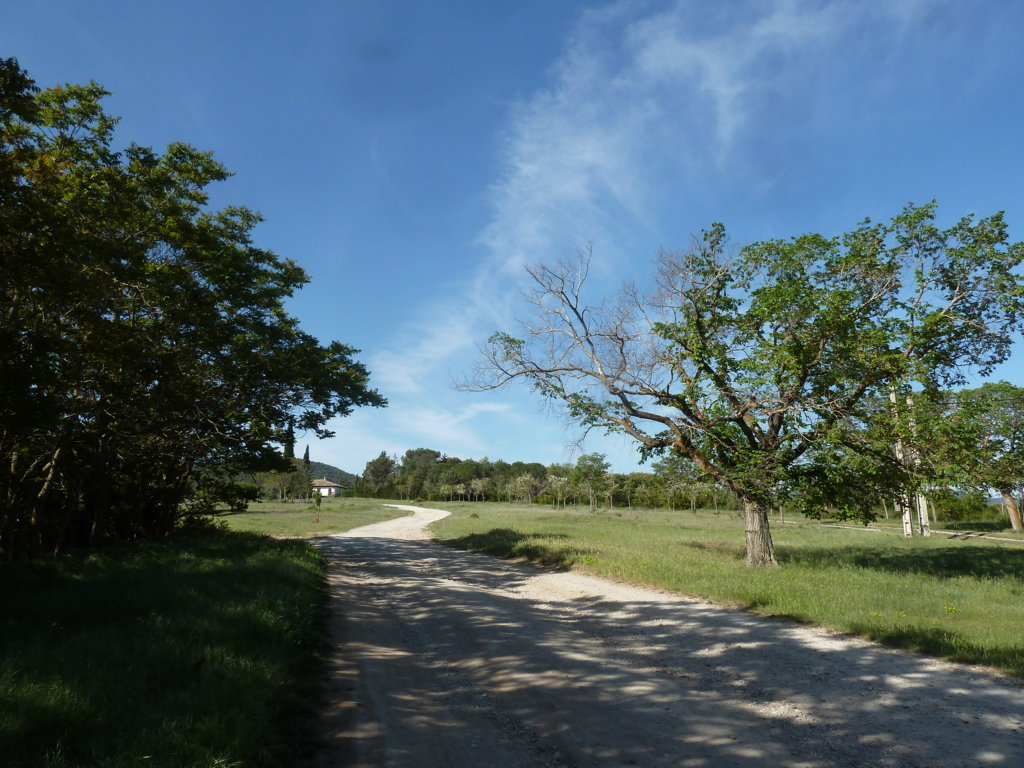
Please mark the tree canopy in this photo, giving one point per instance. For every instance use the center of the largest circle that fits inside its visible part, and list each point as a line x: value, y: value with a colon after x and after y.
x: 763, y: 365
x: 987, y: 428
x: 144, y: 346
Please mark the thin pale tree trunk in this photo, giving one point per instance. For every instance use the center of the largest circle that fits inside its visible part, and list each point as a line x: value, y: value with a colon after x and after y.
x: 922, y: 515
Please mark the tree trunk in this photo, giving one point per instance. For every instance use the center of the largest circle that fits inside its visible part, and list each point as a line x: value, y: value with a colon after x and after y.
x: 760, y: 549
x: 902, y: 505
x: 1014, y: 511
x: 922, y: 515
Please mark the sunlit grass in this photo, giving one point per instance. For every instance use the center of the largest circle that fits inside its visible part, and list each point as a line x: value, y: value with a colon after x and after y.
x: 300, y: 518
x: 960, y: 599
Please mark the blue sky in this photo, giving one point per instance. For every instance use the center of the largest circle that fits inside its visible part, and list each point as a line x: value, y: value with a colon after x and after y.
x: 412, y: 156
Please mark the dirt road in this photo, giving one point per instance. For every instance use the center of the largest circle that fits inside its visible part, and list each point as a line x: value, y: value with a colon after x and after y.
x: 446, y: 658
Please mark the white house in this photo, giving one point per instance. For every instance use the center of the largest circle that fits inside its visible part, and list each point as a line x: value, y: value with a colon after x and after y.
x: 326, y: 488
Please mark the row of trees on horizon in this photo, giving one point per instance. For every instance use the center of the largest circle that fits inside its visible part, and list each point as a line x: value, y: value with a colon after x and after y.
x: 967, y: 444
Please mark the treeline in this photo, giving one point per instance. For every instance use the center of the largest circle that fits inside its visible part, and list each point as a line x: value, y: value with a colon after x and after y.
x: 145, y: 352
x: 954, y: 449
x: 426, y: 474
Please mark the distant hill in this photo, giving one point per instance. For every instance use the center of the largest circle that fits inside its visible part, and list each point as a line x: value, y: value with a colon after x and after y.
x: 318, y: 470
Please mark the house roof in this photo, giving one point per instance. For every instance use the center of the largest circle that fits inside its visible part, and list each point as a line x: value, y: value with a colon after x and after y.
x: 325, y: 483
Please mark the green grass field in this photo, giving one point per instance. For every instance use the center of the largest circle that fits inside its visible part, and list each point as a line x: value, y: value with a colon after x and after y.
x: 954, y: 598
x: 299, y: 518
x: 204, y: 650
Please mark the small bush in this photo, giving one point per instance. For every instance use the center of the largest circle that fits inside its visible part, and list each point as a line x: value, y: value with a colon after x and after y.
x: 960, y: 508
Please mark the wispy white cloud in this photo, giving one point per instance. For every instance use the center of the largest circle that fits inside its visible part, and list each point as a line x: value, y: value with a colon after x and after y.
x: 643, y: 94
x: 441, y: 331
x: 449, y: 428
x: 637, y: 94
x: 651, y: 101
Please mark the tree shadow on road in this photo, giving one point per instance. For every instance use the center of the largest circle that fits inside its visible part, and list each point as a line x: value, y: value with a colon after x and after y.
x: 502, y: 673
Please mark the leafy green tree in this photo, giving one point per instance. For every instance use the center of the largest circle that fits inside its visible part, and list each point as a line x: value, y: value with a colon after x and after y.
x: 635, y: 487
x: 304, y: 476
x: 527, y: 487
x: 758, y: 363
x: 558, y: 487
x: 479, y: 488
x: 418, y: 473
x: 379, y: 474
x: 303, y: 487
x: 971, y: 439
x: 289, y: 442
x: 959, y: 507
x: 680, y: 478
x: 991, y: 420
x: 590, y: 475
x: 145, y: 352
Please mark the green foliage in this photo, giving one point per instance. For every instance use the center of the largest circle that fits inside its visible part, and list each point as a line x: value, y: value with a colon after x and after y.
x: 985, y: 442
x: 288, y: 442
x: 379, y: 476
x: 318, y: 469
x: 293, y: 480
x: 959, y: 508
x: 846, y: 484
x: 591, y: 475
x: 234, y: 495
x: 768, y: 368
x: 448, y: 478
x: 416, y: 470
x: 197, y: 651
x: 144, y: 345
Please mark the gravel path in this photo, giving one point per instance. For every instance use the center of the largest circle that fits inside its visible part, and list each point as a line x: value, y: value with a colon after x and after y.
x: 448, y: 658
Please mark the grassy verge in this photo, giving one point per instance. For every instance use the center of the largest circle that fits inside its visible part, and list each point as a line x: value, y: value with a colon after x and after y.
x: 958, y: 599
x: 299, y: 519
x: 199, y: 651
